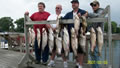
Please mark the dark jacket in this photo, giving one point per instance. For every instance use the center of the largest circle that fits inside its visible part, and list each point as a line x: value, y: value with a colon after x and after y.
x: 69, y: 15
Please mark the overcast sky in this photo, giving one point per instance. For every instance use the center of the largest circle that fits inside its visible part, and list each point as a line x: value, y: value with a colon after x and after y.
x: 16, y: 8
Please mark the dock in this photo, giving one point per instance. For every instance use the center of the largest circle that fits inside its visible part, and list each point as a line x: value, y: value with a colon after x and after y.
x: 10, y: 59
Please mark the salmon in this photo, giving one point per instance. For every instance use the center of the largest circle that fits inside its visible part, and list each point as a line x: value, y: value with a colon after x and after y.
x: 82, y: 41
x: 76, y: 24
x: 92, y: 39
x: 51, y: 39
x: 74, y: 41
x: 44, y: 38
x: 66, y: 41
x: 99, y: 40
x: 33, y: 37
x: 38, y: 37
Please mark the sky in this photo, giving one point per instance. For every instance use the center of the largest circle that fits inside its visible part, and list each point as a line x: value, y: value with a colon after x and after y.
x: 16, y: 8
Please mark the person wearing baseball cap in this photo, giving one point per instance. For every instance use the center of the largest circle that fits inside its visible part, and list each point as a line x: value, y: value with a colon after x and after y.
x: 97, y: 11
x: 71, y: 15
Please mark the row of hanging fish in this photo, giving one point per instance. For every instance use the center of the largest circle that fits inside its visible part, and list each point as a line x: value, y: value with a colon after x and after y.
x: 96, y: 38
x: 77, y: 39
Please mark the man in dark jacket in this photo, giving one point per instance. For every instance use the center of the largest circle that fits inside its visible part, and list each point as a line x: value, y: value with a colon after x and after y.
x: 70, y: 15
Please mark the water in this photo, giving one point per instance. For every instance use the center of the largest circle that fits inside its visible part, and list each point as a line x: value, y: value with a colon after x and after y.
x: 116, y: 54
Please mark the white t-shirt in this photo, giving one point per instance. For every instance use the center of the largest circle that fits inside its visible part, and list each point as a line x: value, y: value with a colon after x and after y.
x: 53, y: 17
x: 74, y: 13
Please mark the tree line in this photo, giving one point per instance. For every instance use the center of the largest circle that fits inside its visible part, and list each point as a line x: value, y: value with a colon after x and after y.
x: 8, y: 25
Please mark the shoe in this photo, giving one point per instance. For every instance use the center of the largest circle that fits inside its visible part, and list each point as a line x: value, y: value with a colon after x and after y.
x: 79, y: 66
x: 76, y: 66
x: 51, y: 64
x: 44, y: 63
x: 65, y: 65
x: 37, y: 62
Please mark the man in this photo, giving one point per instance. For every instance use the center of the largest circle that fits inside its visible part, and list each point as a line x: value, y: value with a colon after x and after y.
x: 70, y: 15
x: 58, y: 10
x: 97, y: 11
x: 40, y: 16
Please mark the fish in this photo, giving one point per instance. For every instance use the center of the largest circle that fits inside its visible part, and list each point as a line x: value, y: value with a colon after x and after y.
x: 74, y: 41
x: 66, y: 41
x: 58, y: 44
x: 30, y: 36
x: 44, y: 38
x: 92, y: 40
x: 76, y: 23
x: 84, y: 23
x: 38, y: 37
x: 33, y: 37
x: 51, y: 39
x: 58, y: 26
x: 99, y: 40
x: 82, y: 41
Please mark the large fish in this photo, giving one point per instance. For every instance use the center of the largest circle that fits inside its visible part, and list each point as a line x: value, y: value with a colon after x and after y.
x: 76, y: 23
x: 99, y: 39
x: 44, y: 38
x: 30, y: 36
x: 51, y: 39
x: 58, y: 44
x: 74, y: 41
x: 38, y: 37
x: 92, y: 39
x: 66, y: 41
x: 58, y: 26
x: 82, y: 41
x: 84, y: 23
x: 33, y: 37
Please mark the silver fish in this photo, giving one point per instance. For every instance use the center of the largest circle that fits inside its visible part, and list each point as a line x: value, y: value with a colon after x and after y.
x: 74, y: 41
x: 58, y: 44
x: 44, y: 38
x: 33, y: 37
x: 99, y: 39
x: 66, y: 41
x: 51, y: 39
x: 58, y: 26
x: 82, y: 40
x: 30, y: 36
x: 84, y: 23
x: 76, y: 23
x: 38, y: 37
x: 92, y: 39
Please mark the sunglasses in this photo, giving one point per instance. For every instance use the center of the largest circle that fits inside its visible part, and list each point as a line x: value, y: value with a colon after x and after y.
x: 94, y: 5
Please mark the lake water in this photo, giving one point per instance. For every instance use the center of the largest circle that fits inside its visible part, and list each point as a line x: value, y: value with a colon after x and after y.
x: 116, y: 54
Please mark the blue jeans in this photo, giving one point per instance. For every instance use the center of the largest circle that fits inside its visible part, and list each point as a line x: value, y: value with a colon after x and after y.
x: 95, y: 58
x: 39, y: 54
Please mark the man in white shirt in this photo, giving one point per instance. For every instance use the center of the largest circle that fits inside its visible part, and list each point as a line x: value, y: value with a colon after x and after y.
x: 58, y: 10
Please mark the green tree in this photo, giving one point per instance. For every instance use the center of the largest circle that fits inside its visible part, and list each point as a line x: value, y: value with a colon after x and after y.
x: 113, y: 27
x: 6, y: 24
x: 118, y: 30
x: 20, y: 25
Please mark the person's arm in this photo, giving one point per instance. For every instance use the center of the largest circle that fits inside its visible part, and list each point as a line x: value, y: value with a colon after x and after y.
x: 92, y: 15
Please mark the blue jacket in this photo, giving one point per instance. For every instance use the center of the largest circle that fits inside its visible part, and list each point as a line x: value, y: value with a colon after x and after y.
x: 69, y: 15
